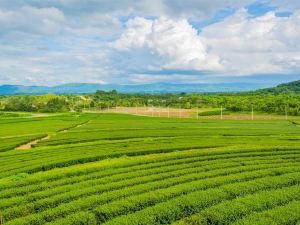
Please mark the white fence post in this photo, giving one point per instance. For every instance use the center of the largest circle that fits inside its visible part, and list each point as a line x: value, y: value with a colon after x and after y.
x: 221, y: 112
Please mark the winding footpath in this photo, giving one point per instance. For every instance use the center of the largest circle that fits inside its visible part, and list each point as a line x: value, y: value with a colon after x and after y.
x: 30, y: 144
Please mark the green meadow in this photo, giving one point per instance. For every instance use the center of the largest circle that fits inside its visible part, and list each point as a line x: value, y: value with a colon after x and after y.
x: 115, y: 169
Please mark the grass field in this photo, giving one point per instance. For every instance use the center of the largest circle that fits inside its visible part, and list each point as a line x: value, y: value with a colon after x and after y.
x: 124, y: 169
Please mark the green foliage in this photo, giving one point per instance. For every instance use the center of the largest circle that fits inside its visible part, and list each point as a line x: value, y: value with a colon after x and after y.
x: 291, y: 87
x: 264, y: 102
x: 20, y: 103
x: 80, y: 218
x: 185, y: 205
x: 124, y: 169
x: 56, y: 105
x: 19, y: 176
x: 213, y: 113
x: 229, y: 211
x: 12, y: 142
x: 8, y: 115
x: 35, y: 103
x: 138, y: 202
x: 286, y: 214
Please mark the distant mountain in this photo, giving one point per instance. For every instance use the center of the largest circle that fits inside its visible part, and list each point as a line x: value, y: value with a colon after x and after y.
x: 291, y: 87
x: 77, y: 88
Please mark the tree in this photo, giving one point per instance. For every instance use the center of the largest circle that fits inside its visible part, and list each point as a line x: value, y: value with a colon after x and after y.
x: 56, y: 105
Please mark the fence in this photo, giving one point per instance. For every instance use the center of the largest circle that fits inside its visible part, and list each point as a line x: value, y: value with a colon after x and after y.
x: 152, y: 111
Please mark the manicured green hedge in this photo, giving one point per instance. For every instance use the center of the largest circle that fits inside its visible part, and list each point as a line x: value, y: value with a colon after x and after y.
x: 214, y: 113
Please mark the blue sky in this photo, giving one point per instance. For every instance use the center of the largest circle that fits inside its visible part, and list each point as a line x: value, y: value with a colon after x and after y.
x: 49, y: 42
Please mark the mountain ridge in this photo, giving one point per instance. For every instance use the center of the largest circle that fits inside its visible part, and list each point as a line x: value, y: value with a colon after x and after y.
x: 284, y: 88
x: 77, y: 88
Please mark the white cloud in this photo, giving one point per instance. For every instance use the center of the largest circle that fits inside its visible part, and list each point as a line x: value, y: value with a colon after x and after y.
x: 172, y: 8
x: 176, y: 41
x: 175, y: 78
x: 135, y: 35
x: 239, y: 45
x: 289, y: 5
x: 52, y: 21
x: 247, y: 45
x: 93, y: 25
x: 32, y: 20
x: 56, y: 41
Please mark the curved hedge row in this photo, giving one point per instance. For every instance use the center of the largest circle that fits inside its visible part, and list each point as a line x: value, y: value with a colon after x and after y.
x: 130, y: 170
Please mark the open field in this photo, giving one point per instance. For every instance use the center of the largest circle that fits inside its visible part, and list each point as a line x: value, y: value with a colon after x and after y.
x: 115, y: 168
x: 192, y: 113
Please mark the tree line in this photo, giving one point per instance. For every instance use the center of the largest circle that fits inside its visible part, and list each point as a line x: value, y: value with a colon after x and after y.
x: 238, y: 102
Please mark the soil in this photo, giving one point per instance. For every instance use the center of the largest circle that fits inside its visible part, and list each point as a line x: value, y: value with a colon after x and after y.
x: 39, y: 115
x: 183, y: 113
x: 31, y: 143
x: 154, y: 112
x: 34, y: 142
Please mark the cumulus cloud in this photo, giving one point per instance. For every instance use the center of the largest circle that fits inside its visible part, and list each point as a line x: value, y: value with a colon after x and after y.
x: 176, y: 41
x: 247, y: 45
x: 57, y: 41
x: 135, y: 35
x: 239, y: 45
x: 43, y: 45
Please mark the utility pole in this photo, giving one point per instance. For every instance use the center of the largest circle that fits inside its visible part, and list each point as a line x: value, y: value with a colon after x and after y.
x: 152, y: 111
x: 180, y: 113
x: 221, y: 112
x: 73, y: 104
x: 158, y: 110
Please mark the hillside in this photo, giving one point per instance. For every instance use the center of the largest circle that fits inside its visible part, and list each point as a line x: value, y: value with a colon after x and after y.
x: 77, y: 88
x: 291, y: 87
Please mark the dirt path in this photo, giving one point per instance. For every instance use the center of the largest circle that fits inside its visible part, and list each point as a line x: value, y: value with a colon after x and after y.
x: 73, y: 127
x: 31, y: 143
x: 39, y: 115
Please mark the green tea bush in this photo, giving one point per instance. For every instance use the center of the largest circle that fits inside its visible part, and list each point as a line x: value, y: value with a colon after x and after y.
x: 170, y: 211
x: 214, y: 113
x: 232, y: 210
x: 288, y: 214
